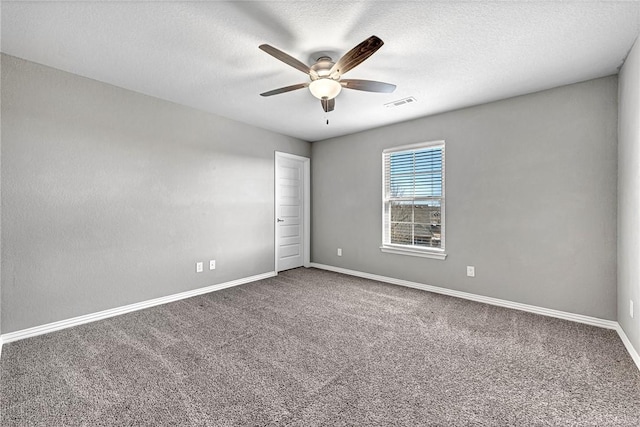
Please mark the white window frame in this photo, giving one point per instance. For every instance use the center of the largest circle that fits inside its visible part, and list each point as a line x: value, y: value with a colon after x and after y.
x: 412, y: 250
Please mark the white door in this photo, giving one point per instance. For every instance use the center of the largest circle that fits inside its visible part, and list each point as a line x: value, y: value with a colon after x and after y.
x: 292, y: 175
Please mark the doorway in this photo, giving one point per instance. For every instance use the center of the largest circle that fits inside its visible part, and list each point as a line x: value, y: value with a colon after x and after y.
x: 292, y: 211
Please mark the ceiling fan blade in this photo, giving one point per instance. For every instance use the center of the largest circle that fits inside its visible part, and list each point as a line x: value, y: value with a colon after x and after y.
x: 357, y: 55
x: 288, y: 59
x: 328, y: 104
x: 285, y: 89
x: 368, y: 85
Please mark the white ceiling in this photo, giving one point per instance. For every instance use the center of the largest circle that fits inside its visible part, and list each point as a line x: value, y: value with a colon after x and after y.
x: 205, y: 55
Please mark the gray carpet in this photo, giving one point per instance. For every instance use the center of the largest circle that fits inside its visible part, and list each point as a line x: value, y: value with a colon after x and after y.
x: 311, y: 347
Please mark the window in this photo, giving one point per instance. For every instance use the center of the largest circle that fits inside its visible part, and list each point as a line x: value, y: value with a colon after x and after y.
x: 413, y: 200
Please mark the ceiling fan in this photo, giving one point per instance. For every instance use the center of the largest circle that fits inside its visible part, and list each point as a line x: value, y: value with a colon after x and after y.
x: 326, y: 76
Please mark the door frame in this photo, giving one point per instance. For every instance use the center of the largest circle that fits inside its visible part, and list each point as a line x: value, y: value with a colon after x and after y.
x: 306, y: 207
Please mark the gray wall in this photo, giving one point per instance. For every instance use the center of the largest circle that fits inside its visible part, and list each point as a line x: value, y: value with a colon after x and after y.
x: 0, y: 201
x: 629, y: 196
x: 531, y: 199
x: 110, y: 197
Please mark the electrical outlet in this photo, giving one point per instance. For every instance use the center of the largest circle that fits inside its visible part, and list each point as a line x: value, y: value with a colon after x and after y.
x: 339, y: 251
x: 631, y: 308
x: 212, y: 264
x: 471, y: 271
x: 199, y: 267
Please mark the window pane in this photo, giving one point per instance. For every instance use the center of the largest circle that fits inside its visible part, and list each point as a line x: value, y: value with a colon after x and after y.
x: 428, y: 160
x: 426, y: 235
x: 422, y: 235
x: 401, y: 233
x: 401, y: 185
x: 402, y: 211
x: 428, y: 184
x: 416, y: 173
x: 427, y: 212
x: 402, y: 162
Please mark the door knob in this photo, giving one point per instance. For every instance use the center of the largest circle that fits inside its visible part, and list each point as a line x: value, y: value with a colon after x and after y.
x: 280, y: 220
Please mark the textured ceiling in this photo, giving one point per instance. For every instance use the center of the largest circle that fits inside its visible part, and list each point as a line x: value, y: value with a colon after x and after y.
x: 205, y: 55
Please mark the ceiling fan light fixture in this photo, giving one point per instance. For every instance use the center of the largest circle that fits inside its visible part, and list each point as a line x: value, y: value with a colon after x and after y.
x: 325, y: 88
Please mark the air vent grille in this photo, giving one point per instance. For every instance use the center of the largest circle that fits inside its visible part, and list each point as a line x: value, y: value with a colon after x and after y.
x: 400, y: 102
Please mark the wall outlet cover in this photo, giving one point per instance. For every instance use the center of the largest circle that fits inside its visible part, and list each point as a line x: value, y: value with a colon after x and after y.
x: 199, y: 267
x: 471, y: 271
x: 212, y: 264
x: 339, y: 251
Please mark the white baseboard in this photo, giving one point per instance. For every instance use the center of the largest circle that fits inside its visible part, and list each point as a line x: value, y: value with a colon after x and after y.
x: 92, y: 317
x: 632, y: 351
x: 603, y: 323
x: 63, y: 324
x: 594, y: 321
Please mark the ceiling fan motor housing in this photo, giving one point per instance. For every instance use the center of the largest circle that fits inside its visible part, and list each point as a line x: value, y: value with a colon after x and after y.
x: 322, y: 67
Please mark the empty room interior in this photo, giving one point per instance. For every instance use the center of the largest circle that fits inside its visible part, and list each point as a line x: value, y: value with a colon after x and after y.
x: 320, y: 213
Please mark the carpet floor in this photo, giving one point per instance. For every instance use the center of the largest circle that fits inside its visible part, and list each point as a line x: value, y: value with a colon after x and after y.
x: 312, y: 347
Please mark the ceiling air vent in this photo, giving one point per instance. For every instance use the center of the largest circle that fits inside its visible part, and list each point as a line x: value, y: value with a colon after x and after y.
x: 400, y: 102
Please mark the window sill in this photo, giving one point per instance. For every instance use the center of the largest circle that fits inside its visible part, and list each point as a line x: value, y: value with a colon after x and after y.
x: 414, y: 252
